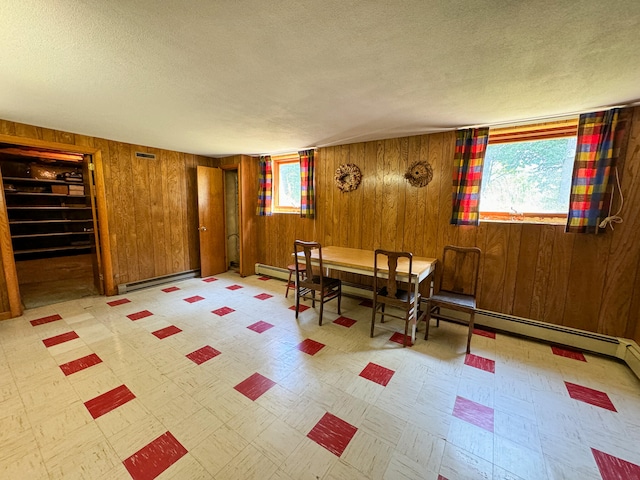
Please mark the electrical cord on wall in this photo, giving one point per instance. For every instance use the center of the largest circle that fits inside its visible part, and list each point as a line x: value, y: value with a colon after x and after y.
x: 611, y: 219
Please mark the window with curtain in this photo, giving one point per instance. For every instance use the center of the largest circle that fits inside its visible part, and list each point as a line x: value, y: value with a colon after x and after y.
x: 286, y: 183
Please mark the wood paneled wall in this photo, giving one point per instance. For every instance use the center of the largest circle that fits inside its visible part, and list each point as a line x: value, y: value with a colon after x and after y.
x: 151, y: 204
x: 591, y: 282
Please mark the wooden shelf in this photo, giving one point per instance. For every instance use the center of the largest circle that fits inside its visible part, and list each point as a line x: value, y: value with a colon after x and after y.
x: 53, y: 249
x: 30, y: 222
x: 48, y: 208
x: 55, y: 234
x: 39, y: 180
x: 42, y: 194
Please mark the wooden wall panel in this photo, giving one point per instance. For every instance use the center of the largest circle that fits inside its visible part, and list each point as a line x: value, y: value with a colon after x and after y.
x: 528, y: 270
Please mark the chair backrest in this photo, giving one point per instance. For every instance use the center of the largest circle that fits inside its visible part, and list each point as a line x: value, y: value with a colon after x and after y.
x: 305, y: 276
x: 460, y: 268
x: 390, y: 262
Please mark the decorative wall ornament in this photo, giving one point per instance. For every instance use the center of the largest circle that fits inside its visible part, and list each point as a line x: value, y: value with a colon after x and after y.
x: 348, y: 177
x: 419, y: 174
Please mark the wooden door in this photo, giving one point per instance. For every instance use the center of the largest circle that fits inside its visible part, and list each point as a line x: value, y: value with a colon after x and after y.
x: 213, y: 258
x: 89, y: 171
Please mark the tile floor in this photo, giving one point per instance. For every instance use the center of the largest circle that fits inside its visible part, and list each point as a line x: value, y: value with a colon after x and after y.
x: 215, y: 379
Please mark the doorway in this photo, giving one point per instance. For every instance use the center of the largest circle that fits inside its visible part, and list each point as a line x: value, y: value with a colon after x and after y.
x: 232, y: 219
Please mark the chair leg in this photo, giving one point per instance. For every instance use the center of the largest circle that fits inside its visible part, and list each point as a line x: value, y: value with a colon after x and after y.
x: 286, y: 295
x: 438, y: 318
x: 406, y: 330
x: 313, y: 299
x: 382, y: 313
x: 321, y: 309
x: 373, y: 317
x: 471, y: 319
x: 339, y: 298
x: 297, y: 303
x: 427, y: 319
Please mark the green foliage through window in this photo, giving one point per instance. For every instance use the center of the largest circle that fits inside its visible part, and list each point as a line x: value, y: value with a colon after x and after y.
x: 289, y: 184
x: 528, y: 177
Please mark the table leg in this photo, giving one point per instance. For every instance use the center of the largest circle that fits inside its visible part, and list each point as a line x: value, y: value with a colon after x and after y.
x: 414, y: 322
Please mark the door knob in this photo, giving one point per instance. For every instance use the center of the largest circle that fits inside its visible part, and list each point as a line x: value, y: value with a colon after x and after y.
x: 202, y: 228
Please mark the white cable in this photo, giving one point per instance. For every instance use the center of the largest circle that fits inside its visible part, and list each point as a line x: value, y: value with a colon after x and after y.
x: 611, y: 219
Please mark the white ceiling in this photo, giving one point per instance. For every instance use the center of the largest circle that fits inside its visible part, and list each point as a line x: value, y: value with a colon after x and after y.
x: 268, y: 76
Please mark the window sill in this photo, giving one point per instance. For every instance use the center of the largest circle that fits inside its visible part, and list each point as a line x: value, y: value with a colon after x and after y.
x: 529, y: 218
x: 279, y: 211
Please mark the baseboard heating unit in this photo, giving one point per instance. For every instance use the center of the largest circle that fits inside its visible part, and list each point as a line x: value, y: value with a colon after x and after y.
x: 150, y: 282
x: 621, y: 348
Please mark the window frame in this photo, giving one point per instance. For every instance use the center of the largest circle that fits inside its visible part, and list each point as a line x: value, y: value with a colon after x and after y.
x: 278, y: 161
x: 567, y: 127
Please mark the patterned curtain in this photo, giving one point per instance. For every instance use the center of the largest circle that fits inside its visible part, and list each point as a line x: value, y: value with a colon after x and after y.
x: 471, y: 145
x: 265, y: 190
x: 307, y: 192
x: 599, y: 135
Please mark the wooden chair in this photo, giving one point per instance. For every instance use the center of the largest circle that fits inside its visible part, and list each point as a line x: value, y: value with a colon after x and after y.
x: 308, y: 283
x: 457, y: 286
x: 387, y: 293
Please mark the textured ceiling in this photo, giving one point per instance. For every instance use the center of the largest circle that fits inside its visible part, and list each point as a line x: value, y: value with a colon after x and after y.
x: 255, y: 76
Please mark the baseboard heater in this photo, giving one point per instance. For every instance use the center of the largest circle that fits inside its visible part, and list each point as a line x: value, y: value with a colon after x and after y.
x: 621, y: 348
x: 150, y: 282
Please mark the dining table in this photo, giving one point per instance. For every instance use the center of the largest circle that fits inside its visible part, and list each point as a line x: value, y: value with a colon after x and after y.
x: 356, y: 260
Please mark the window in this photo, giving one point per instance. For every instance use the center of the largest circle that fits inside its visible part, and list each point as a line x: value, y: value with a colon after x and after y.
x: 527, y: 172
x: 286, y: 184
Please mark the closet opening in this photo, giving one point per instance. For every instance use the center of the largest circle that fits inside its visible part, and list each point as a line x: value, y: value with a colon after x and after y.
x: 51, y: 211
x: 232, y: 218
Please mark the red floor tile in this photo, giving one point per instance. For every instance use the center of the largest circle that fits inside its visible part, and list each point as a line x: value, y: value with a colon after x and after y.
x: 166, y: 332
x: 43, y: 320
x: 194, y: 299
x: 377, y: 374
x: 482, y: 363
x: 367, y: 303
x: 345, y: 322
x: 80, y: 364
x: 474, y: 413
x: 614, y: 468
x: 264, y: 278
x: 210, y: 279
x: 254, y: 386
x: 139, y: 315
x: 484, y: 333
x: 223, y: 311
x: 154, y: 458
x: 263, y: 296
x: 565, y: 352
x: 111, y: 400
x: 310, y: 347
x: 590, y: 396
x: 332, y: 433
x: 203, y: 354
x: 399, y: 338
x: 441, y: 477
x: 301, y: 308
x: 260, y: 326
x: 115, y: 303
x: 170, y: 289
x: 234, y: 287
x: 58, y: 339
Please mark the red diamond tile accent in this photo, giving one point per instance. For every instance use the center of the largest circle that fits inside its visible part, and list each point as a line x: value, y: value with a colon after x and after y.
x: 234, y: 287
x: 310, y: 347
x: 170, y: 289
x: 154, y: 458
x: 301, y: 308
x: 254, y: 386
x: 80, y: 364
x: 367, y: 303
x: 440, y: 477
x: 260, y: 326
x: 43, y: 320
x: 223, y: 311
x: 484, y: 333
x: 590, y: 396
x: 332, y: 433
x: 194, y: 299
x: 564, y: 352
x: 474, y: 413
x: 111, y: 400
x: 399, y: 338
x: 377, y: 374
x: 115, y: 303
x: 210, y: 279
x: 58, y: 339
x: 614, y: 468
x: 166, y: 332
x: 203, y: 354
x: 139, y: 315
x: 482, y: 363
x: 263, y: 296
x: 264, y: 278
x: 345, y: 322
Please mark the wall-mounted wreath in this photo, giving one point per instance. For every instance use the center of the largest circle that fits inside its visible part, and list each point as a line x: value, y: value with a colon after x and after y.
x: 419, y: 174
x: 347, y: 177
